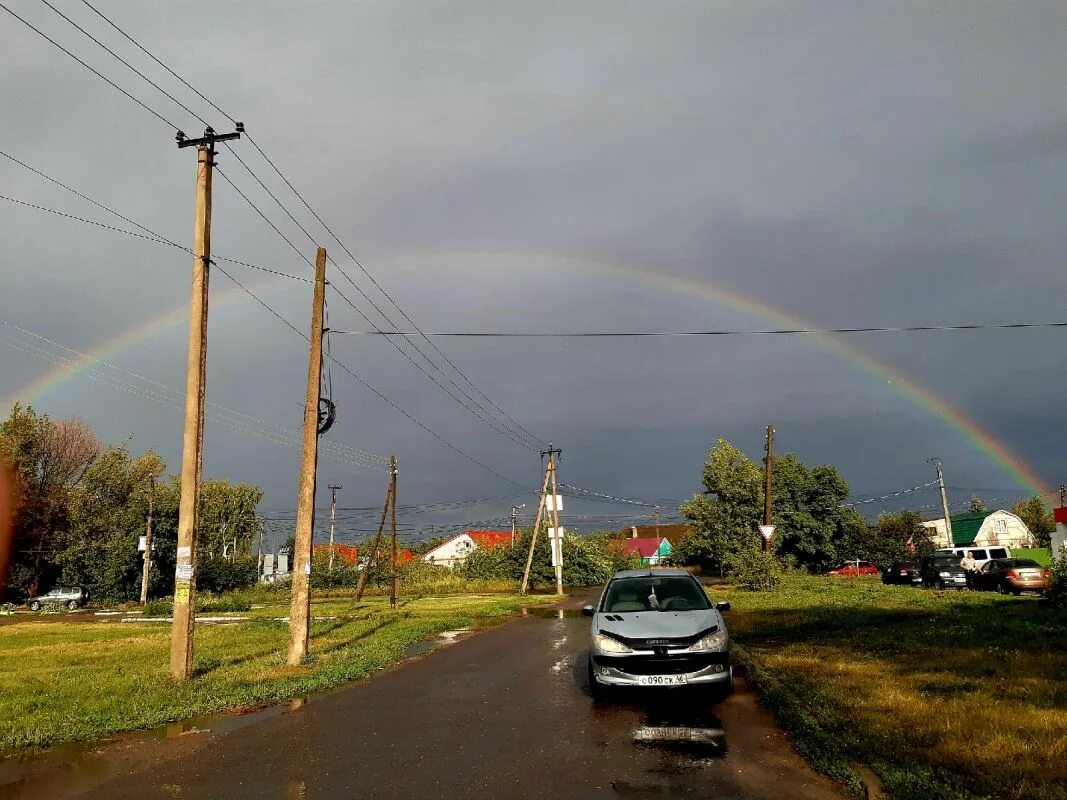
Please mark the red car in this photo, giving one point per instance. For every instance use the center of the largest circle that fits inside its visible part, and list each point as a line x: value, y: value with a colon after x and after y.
x: 853, y: 568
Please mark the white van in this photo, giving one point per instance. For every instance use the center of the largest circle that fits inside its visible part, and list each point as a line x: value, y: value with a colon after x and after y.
x: 980, y: 554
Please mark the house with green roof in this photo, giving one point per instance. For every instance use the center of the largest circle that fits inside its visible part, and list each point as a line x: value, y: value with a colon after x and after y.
x: 982, y: 529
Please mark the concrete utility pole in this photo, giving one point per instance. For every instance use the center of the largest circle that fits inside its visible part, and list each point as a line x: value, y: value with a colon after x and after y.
x: 537, y: 526
x: 768, y: 462
x: 557, y: 540
x: 944, y: 498
x: 1063, y: 495
x: 655, y: 516
x: 514, y: 515
x: 181, y: 641
x: 364, y: 576
x: 392, y: 514
x: 300, y: 607
x: 148, y: 543
x: 333, y: 517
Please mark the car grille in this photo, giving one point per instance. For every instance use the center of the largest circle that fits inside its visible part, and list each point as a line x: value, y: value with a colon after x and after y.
x: 663, y: 665
x: 662, y: 642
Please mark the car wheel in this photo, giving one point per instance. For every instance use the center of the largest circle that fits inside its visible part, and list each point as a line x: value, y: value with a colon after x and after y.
x: 941, y: 585
x: 73, y: 605
x: 1016, y: 592
x: 35, y: 606
x: 598, y: 691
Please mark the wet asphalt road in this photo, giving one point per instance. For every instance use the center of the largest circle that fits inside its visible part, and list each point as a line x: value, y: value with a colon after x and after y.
x: 504, y: 713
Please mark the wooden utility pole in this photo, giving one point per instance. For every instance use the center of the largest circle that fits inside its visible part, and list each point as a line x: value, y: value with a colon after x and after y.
x: 557, y: 540
x: 364, y: 576
x: 333, y: 518
x: 392, y: 514
x: 147, y: 568
x: 655, y: 516
x: 300, y: 607
x: 944, y: 498
x: 768, y: 462
x: 181, y: 642
x: 533, y: 536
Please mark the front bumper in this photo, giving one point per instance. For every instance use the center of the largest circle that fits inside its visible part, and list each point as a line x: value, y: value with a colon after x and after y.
x: 626, y: 670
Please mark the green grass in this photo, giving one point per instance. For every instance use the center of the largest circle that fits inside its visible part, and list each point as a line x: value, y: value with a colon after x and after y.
x: 943, y: 694
x: 69, y: 681
x: 1042, y: 555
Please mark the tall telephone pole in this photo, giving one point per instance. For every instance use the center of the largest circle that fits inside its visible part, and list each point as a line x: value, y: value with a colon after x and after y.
x: 181, y: 641
x: 533, y: 536
x: 655, y: 516
x: 944, y: 497
x: 768, y: 462
x: 392, y: 514
x: 300, y: 607
x: 148, y: 543
x: 333, y: 517
x: 557, y: 540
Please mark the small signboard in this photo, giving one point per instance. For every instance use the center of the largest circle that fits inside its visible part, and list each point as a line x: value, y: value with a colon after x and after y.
x: 553, y: 502
x: 141, y: 544
x: 767, y: 531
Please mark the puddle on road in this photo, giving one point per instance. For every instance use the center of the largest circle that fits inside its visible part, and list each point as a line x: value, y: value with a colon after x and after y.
x: 76, y: 767
x: 550, y: 613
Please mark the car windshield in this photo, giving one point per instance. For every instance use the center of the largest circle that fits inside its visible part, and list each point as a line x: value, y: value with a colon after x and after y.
x: 945, y: 561
x: 647, y: 593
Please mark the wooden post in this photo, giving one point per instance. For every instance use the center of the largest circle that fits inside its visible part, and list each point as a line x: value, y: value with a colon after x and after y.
x: 768, y: 462
x: 533, y: 537
x: 300, y: 607
x: 371, y: 559
x: 558, y: 541
x: 392, y: 560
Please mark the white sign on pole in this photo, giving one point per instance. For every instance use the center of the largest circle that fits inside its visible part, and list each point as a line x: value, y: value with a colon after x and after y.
x: 141, y: 544
x: 553, y: 502
x: 767, y: 531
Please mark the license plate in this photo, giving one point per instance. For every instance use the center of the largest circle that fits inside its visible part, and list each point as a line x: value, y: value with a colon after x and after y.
x: 662, y: 680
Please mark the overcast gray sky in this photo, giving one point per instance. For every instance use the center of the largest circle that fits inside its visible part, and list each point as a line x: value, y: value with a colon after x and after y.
x: 578, y: 166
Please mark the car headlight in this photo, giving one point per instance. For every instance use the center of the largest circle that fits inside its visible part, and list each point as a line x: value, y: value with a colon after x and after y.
x: 945, y: 574
x: 609, y: 645
x: 713, y: 641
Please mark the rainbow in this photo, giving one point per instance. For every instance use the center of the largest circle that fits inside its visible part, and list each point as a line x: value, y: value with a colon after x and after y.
x: 58, y: 376
x: 985, y: 442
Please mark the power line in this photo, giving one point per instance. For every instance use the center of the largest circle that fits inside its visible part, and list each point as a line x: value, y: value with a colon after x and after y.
x: 679, y: 334
x: 98, y: 74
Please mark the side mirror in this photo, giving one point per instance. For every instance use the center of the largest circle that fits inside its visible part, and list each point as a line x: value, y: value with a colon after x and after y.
x: 723, y: 605
x: 587, y: 611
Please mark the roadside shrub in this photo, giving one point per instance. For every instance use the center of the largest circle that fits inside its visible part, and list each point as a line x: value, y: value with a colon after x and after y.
x: 755, y: 570
x: 7, y: 609
x: 223, y: 575
x: 206, y: 603
x: 1057, y: 593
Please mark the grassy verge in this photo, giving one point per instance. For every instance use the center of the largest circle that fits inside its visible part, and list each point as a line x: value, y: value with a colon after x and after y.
x: 63, y: 682
x: 943, y: 694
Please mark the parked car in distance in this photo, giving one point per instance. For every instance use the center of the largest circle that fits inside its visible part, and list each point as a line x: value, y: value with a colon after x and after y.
x: 940, y: 571
x: 903, y: 573
x: 1014, y: 575
x: 980, y: 554
x: 71, y: 596
x: 657, y: 628
x: 850, y: 569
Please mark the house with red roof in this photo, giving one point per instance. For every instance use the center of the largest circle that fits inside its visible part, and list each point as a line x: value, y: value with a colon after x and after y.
x: 650, y: 549
x: 455, y: 550
x: 345, y: 553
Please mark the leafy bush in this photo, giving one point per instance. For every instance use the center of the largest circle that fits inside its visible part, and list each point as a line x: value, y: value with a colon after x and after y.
x: 206, y: 603
x: 1057, y: 593
x: 223, y: 575
x: 7, y: 609
x: 755, y: 570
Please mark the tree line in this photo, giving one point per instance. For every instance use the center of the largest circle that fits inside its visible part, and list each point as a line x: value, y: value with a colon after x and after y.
x: 815, y: 530
x: 77, y: 510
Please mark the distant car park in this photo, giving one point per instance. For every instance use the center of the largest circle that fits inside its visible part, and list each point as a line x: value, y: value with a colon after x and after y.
x: 72, y: 597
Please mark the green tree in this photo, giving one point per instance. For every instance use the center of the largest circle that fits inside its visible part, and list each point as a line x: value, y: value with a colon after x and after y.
x: 896, y: 536
x: 1037, y: 516
x: 975, y: 505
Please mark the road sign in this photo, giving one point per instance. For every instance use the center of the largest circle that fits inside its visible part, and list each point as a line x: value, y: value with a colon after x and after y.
x: 553, y: 502
x: 767, y: 531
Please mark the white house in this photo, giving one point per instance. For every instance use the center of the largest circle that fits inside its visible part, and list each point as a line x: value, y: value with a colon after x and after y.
x: 982, y: 528
x: 456, y: 549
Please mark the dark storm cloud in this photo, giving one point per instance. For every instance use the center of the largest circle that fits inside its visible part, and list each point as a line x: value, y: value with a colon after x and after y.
x: 850, y: 164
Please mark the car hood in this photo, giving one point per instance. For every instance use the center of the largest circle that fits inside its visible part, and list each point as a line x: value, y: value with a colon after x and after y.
x: 657, y: 624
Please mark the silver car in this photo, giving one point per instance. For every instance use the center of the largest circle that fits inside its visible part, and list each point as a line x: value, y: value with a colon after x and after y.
x: 658, y: 628
x: 70, y: 596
